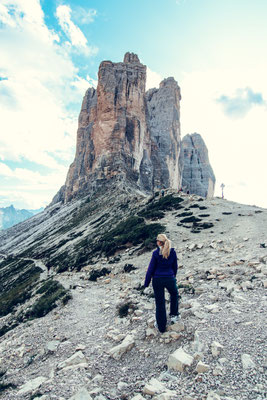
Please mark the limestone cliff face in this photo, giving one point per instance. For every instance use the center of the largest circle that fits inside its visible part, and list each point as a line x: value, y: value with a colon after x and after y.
x: 164, y: 126
x: 126, y: 134
x: 198, y: 176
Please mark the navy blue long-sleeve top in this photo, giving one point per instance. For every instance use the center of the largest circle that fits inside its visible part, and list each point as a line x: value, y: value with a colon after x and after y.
x: 160, y: 267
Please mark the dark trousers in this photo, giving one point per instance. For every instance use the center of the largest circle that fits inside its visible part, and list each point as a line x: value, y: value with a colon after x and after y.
x: 159, y: 285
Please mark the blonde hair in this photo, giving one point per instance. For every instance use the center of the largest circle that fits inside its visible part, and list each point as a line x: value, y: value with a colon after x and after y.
x: 166, y: 245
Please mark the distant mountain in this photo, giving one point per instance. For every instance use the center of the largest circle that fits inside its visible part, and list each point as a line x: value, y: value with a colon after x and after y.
x: 10, y: 216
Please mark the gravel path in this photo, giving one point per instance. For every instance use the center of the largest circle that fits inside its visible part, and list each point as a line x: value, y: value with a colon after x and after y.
x: 228, y: 305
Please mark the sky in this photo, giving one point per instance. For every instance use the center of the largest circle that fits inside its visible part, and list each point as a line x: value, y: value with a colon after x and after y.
x: 50, y: 51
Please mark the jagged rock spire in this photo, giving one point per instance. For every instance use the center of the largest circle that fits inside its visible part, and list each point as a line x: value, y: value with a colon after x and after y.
x: 131, y: 58
x: 125, y: 134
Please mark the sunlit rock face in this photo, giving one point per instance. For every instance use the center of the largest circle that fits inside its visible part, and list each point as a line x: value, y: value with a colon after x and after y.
x: 126, y: 134
x: 113, y: 141
x: 198, y: 176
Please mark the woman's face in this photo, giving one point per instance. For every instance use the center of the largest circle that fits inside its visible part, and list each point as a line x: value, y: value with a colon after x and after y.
x: 159, y: 243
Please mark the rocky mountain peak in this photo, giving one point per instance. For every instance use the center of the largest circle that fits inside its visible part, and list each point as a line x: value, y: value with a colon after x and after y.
x: 198, y: 176
x: 169, y: 82
x: 131, y: 58
x: 126, y: 134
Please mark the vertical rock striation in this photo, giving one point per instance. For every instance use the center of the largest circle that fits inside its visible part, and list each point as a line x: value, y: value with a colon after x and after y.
x: 164, y: 126
x: 125, y: 134
x: 198, y: 176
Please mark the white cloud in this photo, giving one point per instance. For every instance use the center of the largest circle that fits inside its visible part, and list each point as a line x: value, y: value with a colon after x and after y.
x: 41, y: 79
x: 5, y: 17
x: 83, y: 84
x: 236, y: 147
x: 77, y: 38
x: 153, y: 79
x: 5, y: 170
x: 84, y: 16
x: 28, y: 189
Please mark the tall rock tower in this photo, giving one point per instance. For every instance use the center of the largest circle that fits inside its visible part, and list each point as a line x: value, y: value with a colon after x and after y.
x: 198, y: 176
x: 164, y: 126
x: 125, y: 133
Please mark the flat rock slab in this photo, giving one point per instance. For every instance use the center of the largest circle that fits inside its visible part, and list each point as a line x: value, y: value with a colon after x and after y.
x: 247, y: 362
x: 32, y: 385
x: 75, y: 359
x: 179, y: 360
x: 81, y: 395
x: 126, y: 345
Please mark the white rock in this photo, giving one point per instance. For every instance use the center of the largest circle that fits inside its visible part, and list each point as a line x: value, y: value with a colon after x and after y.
x: 217, y: 371
x: 154, y: 386
x: 212, y: 307
x: 100, y: 397
x: 199, y: 344
x: 151, y: 332
x: 179, y: 360
x: 192, y: 246
x: 148, y: 306
x: 81, y: 395
x: 80, y: 347
x: 166, y: 396
x: 98, y: 379
x: 32, y: 385
x: 228, y: 398
x: 213, y: 396
x: 75, y: 359
x: 216, y: 348
x: 151, y: 322
x: 177, y: 327
x: 122, y: 385
x: 127, y: 344
x: 247, y: 362
x: 138, y: 397
x: 201, y: 367
x: 53, y: 345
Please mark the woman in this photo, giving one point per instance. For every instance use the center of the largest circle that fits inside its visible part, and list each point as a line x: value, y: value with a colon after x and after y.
x: 163, y: 269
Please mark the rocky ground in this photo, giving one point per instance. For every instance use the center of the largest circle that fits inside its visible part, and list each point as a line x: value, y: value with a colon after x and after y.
x: 85, y: 350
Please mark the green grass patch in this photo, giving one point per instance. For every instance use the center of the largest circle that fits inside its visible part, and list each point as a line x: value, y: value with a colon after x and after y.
x: 130, y: 232
x: 155, y: 209
x: 52, y: 291
x: 18, y: 290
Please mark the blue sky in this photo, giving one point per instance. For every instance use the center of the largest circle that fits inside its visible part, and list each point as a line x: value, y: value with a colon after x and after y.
x: 50, y: 53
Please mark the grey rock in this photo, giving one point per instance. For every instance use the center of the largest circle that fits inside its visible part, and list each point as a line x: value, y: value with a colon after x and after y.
x: 77, y: 358
x: 126, y: 345
x: 125, y: 134
x: 247, y: 362
x: 213, y: 396
x: 198, y: 176
x: 82, y: 394
x: 53, y: 345
x: 216, y: 348
x: 164, y: 125
x: 179, y: 360
x: 32, y: 385
x: 202, y: 367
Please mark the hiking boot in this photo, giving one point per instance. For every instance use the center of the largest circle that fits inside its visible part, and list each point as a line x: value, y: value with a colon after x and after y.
x: 175, y: 318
